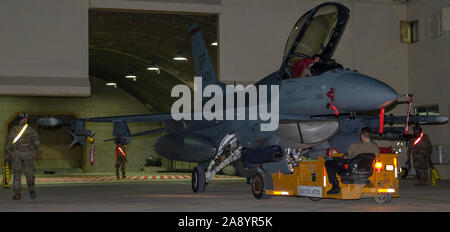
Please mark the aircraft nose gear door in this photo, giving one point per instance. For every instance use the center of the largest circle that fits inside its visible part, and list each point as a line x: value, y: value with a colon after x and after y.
x: 228, y: 147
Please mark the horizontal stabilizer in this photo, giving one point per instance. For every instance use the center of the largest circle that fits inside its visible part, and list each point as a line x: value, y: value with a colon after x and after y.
x: 141, y: 133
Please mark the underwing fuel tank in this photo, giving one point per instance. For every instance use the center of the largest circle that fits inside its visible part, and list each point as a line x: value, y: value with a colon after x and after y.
x: 190, y: 147
x: 272, y: 153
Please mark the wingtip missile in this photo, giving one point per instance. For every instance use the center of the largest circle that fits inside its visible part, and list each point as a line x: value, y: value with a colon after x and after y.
x: 51, y: 121
x: 441, y: 119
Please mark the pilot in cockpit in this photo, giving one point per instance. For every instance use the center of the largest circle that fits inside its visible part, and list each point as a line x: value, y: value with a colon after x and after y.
x: 302, y: 67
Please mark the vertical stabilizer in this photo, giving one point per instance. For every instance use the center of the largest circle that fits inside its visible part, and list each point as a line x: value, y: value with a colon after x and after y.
x: 202, y: 60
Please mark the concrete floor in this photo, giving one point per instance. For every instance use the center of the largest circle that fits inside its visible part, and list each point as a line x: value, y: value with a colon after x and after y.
x: 221, y: 195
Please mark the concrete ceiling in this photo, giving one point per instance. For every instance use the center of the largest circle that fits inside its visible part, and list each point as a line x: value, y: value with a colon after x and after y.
x: 122, y: 43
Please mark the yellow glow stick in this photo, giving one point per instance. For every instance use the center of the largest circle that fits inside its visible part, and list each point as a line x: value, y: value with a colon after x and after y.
x: 20, y: 133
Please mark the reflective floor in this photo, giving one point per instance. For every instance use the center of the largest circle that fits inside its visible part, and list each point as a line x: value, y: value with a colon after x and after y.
x: 222, y: 195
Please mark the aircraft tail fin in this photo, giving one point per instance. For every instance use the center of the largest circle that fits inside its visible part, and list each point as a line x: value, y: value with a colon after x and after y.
x: 202, y: 61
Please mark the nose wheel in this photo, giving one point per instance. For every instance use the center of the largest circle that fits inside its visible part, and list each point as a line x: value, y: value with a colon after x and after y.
x: 198, y: 180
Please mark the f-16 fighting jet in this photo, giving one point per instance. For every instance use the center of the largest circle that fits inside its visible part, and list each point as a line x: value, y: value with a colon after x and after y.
x: 319, y: 111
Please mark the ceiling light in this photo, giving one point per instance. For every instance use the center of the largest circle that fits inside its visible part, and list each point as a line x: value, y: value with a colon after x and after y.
x: 214, y: 43
x: 111, y: 84
x: 180, y: 58
x: 154, y: 68
x: 131, y: 76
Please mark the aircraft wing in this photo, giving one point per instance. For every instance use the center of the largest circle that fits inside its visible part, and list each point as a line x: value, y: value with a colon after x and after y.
x: 51, y: 121
x: 120, y: 130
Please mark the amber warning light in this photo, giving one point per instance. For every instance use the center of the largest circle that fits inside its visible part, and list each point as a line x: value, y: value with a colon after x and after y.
x: 378, y: 166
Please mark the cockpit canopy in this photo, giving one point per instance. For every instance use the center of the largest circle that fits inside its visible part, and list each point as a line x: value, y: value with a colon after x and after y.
x: 318, y: 31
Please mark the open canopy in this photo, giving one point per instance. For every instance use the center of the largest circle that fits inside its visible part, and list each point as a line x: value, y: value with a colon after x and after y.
x: 317, y: 32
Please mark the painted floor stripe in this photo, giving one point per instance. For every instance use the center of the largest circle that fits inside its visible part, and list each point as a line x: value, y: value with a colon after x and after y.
x: 113, y: 178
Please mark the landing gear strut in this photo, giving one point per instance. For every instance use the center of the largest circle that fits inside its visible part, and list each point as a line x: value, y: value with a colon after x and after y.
x: 228, y: 147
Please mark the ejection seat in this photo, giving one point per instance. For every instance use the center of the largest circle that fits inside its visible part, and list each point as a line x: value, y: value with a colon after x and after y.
x: 358, y: 170
x: 318, y: 68
x: 324, y: 65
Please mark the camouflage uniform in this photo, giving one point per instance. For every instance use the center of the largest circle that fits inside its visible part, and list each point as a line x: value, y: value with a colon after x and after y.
x: 421, y: 153
x: 22, y: 155
x: 120, y: 162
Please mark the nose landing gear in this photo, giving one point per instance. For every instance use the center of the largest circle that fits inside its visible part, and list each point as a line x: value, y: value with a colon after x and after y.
x: 230, y: 148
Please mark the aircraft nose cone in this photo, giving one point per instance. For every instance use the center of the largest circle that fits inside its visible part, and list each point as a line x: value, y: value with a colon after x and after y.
x: 355, y: 92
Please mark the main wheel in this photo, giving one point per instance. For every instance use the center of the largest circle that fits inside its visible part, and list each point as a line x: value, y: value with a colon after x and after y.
x: 260, y: 183
x: 198, y: 179
x: 383, y: 198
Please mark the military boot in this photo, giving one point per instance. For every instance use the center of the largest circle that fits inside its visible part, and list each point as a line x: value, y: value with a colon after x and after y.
x: 334, y: 190
x: 421, y: 183
x: 422, y: 180
x: 31, y: 190
x: 16, y: 195
x: 32, y: 194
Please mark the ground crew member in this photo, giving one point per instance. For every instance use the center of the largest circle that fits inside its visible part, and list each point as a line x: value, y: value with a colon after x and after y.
x: 336, y: 166
x: 22, y: 149
x: 420, y: 149
x: 121, y: 159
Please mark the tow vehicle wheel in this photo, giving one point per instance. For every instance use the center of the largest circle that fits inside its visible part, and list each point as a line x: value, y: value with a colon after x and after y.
x: 198, y: 180
x: 403, y: 173
x: 383, y: 198
x: 259, y: 185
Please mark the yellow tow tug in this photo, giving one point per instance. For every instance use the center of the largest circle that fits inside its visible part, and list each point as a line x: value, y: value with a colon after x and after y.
x: 364, y: 177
